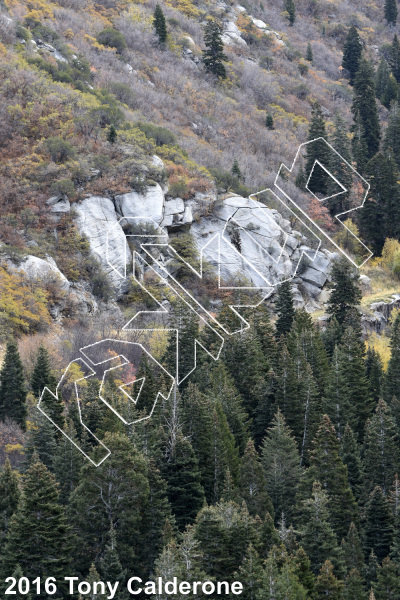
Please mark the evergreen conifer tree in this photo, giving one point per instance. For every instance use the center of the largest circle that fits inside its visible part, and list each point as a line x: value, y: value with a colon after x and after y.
x: 394, y: 58
x: 112, y: 134
x: 39, y: 539
x: 378, y: 525
x: 392, y: 382
x: 12, y: 387
x: 352, y: 53
x: 290, y: 8
x: 303, y: 571
x: 213, y: 55
x: 252, y: 484
x: 184, y: 490
x: 381, y: 78
x: 284, y: 309
x: 269, y: 122
x: 9, y: 497
x: 346, y: 294
x: 236, y: 172
x: 110, y: 564
x: 391, y: 92
x: 350, y: 453
x: 380, y: 211
x: 42, y: 440
x: 317, y: 150
x: 309, y: 53
x: 281, y: 463
x: 354, y: 586
x: 391, y: 12
x: 115, y: 493
x: 67, y: 462
x: 160, y: 24
x: 388, y: 582
x: 327, y: 467
x: 364, y: 106
x: 339, y: 168
x: 250, y: 574
x: 391, y: 142
x: 43, y: 377
x: 353, y: 555
x: 318, y: 538
x: 381, y: 450
x: 374, y: 367
x: 327, y: 585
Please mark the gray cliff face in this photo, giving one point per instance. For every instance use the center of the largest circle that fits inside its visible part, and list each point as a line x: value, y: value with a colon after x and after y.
x: 270, y: 250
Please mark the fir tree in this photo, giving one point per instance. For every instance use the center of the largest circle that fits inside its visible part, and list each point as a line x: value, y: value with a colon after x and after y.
x: 213, y: 55
x: 236, y: 172
x: 318, y: 538
x: 352, y: 551
x: 9, y: 497
x: 327, y: 467
x: 327, y: 585
x: 380, y: 211
x: 388, y: 582
x: 42, y: 440
x: 281, y: 463
x: 359, y: 146
x: 317, y: 150
x: 391, y: 92
x: 352, y: 53
x: 364, y: 106
x: 184, y: 489
x: 223, y: 389
x: 301, y: 180
x: 284, y: 309
x: 68, y: 461
x: 391, y: 142
x: 381, y: 78
x: 354, y: 380
x: 379, y: 525
x: 381, y: 450
x: 290, y: 8
x: 392, y: 382
x: 91, y: 578
x: 111, y: 134
x: 354, y: 586
x: 42, y: 377
x: 269, y: 122
x: 224, y: 541
x: 157, y: 514
x: 303, y: 571
x: 12, y: 386
x: 38, y: 539
x: 252, y: 483
x: 391, y: 12
x: 159, y: 24
x: 250, y: 574
x: 113, y: 494
x: 110, y: 564
x: 374, y: 368
x: 350, y: 453
x: 339, y: 168
x: 394, y: 58
x: 346, y: 294
x: 309, y: 53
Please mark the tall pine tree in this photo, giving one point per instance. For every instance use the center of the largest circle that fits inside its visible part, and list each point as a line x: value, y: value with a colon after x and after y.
x: 12, y: 387
x: 364, y: 106
x: 352, y: 53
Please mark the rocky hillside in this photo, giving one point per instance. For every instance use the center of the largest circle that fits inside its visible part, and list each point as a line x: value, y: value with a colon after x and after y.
x: 96, y: 128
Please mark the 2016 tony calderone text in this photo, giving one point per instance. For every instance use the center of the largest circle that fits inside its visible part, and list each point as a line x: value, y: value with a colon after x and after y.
x: 135, y: 586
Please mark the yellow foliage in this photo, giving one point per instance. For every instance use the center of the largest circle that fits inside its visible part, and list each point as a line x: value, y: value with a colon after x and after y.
x: 186, y: 7
x: 22, y: 310
x: 390, y: 249
x: 380, y: 343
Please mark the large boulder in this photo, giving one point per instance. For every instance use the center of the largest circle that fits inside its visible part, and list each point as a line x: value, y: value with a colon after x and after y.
x: 43, y: 270
x: 149, y: 205
x: 97, y: 220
